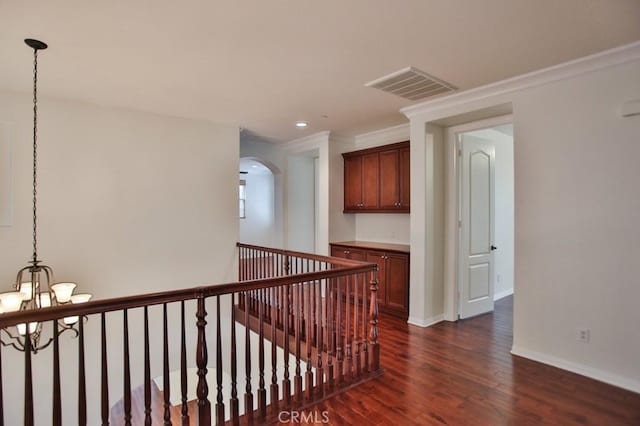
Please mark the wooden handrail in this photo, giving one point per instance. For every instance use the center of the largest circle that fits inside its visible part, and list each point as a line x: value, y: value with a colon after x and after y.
x: 302, y: 303
x: 137, y: 301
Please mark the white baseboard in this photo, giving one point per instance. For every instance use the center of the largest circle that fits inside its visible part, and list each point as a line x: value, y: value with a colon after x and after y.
x: 425, y: 322
x: 502, y: 294
x: 583, y: 370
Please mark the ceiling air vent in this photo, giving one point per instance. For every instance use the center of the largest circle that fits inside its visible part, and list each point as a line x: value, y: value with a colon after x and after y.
x: 411, y: 83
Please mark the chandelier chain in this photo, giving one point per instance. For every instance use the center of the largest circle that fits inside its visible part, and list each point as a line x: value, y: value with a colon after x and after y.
x: 35, y: 157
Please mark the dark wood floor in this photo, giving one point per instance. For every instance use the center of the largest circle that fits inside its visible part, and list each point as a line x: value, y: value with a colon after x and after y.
x: 463, y: 374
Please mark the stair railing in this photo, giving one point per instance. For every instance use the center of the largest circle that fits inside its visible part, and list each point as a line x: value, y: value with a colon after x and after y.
x: 311, y: 314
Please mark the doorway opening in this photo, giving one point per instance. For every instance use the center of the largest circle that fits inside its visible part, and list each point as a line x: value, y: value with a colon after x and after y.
x: 480, y: 214
x: 256, y: 194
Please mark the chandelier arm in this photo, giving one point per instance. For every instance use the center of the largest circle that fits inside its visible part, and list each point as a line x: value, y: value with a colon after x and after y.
x: 41, y: 347
x: 69, y: 327
x: 19, y: 275
x: 13, y: 341
x: 49, y: 274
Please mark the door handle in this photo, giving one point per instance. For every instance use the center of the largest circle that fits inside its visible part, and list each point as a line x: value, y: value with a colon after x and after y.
x: 493, y: 248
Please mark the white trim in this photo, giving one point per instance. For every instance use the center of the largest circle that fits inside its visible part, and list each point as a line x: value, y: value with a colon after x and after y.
x: 502, y: 294
x: 397, y: 133
x: 427, y: 322
x: 608, y: 58
x: 583, y: 370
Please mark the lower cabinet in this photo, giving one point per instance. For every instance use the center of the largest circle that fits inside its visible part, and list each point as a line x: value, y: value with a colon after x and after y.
x: 393, y: 275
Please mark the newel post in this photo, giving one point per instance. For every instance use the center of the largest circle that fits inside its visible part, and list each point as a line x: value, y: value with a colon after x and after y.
x: 373, y: 320
x: 204, y: 406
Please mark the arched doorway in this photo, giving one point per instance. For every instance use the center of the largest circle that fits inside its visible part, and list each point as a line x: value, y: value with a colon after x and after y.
x: 257, y: 194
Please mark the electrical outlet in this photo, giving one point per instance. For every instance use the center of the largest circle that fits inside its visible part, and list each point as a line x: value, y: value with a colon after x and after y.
x: 498, y: 277
x: 583, y: 335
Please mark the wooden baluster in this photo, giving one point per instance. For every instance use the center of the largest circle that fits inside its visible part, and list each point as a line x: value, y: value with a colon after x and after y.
x: 147, y: 370
x: 286, y: 383
x: 219, y: 397
x: 104, y: 396
x: 1, y: 393
x: 373, y: 314
x: 56, y: 418
x: 262, y: 392
x: 28, y: 380
x: 330, y: 332
x: 246, y: 264
x: 297, y: 380
x: 202, y: 391
x: 339, y: 337
x: 319, y: 339
x: 127, y: 369
x: 183, y: 368
x: 275, y: 398
x: 255, y: 265
x: 356, y: 330
x: 82, y: 377
x: 248, y: 395
x: 233, y: 403
x: 308, y: 340
x: 166, y: 385
x: 365, y: 344
x: 347, y: 329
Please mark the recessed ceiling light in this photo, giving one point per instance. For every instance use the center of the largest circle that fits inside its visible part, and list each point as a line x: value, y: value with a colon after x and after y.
x: 301, y: 124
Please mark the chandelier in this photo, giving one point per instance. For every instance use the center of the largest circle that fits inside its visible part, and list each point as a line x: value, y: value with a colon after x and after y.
x: 35, y: 285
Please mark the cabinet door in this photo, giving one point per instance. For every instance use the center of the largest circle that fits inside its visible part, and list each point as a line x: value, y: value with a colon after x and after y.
x: 370, y: 181
x: 397, y: 275
x: 389, y: 179
x: 380, y: 259
x: 405, y: 179
x: 352, y: 182
x: 338, y: 251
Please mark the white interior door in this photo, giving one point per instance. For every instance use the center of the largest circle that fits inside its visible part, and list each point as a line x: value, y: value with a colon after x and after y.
x: 476, y: 226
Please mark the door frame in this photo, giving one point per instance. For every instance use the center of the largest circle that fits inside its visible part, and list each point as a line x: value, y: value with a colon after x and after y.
x: 452, y: 209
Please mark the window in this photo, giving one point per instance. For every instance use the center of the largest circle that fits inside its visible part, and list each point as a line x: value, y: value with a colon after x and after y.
x: 242, y: 194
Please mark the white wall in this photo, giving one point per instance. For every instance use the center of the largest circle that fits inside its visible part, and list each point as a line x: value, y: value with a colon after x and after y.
x: 504, y: 199
x: 129, y: 203
x: 576, y: 233
x: 259, y: 226
x: 6, y: 208
x: 301, y: 228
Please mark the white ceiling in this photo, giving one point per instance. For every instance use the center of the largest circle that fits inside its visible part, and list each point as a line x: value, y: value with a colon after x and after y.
x: 263, y: 64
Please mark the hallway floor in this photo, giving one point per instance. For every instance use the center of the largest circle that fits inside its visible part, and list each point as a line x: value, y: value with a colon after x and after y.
x: 463, y: 374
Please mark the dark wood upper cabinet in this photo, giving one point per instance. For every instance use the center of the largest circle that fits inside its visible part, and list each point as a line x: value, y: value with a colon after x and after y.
x: 377, y: 180
x: 352, y: 182
x: 389, y: 179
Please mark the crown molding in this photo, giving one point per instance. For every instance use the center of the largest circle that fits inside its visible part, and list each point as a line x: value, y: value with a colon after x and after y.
x: 608, y: 58
x: 387, y: 135
x: 308, y: 142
